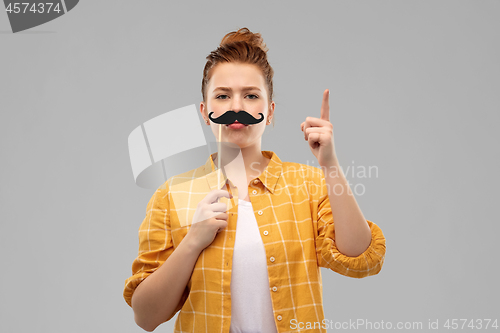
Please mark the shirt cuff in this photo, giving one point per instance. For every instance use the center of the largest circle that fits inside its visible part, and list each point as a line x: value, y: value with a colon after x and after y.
x: 367, y: 263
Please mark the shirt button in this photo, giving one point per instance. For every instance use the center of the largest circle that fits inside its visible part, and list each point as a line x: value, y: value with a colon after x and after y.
x: 275, y: 289
x: 279, y: 318
x: 266, y: 233
x: 255, y: 181
x: 254, y: 192
x: 272, y: 259
x: 260, y: 212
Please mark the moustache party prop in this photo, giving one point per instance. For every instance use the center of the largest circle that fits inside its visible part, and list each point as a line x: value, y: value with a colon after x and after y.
x: 230, y: 117
x: 28, y: 14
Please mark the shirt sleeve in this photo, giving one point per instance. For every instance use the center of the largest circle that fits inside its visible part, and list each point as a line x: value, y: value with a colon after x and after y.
x: 367, y: 263
x: 155, y: 245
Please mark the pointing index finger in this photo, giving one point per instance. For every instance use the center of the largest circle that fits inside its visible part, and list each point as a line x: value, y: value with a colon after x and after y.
x: 325, y: 106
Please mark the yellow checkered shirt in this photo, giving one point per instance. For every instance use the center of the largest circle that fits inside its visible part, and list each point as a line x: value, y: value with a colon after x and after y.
x: 293, y: 212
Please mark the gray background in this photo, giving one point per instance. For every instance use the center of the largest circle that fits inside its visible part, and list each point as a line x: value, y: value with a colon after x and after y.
x: 414, y: 92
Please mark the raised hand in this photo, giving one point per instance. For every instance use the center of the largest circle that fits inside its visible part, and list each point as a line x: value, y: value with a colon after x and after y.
x: 319, y: 133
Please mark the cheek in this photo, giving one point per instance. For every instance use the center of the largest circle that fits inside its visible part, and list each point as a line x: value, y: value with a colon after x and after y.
x: 217, y: 112
x: 255, y: 112
x: 216, y: 108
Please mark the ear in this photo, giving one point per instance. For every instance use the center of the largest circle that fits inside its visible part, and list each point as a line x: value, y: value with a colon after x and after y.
x: 203, y: 112
x: 271, y: 109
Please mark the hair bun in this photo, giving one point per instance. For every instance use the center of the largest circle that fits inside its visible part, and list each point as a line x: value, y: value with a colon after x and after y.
x: 241, y: 47
x: 244, y: 35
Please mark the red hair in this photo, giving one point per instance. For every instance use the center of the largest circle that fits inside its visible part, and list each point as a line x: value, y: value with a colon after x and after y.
x: 242, y: 46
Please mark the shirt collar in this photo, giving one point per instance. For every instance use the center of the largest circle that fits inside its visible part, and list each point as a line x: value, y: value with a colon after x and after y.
x: 269, y: 177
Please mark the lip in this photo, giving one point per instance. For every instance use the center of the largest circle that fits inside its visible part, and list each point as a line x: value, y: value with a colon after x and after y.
x: 236, y: 125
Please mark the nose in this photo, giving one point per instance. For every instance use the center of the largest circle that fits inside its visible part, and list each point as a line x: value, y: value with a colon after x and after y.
x: 237, y: 104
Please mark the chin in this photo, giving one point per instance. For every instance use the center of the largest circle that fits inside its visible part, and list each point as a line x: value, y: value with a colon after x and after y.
x: 240, y: 142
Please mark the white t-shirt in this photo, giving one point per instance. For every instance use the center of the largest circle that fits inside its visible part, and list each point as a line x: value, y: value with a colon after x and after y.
x: 251, y: 307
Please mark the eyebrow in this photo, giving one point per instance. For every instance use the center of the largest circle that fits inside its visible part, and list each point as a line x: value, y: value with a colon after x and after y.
x: 229, y: 89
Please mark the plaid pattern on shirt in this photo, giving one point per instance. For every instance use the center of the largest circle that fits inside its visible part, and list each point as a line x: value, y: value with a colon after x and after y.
x: 293, y: 212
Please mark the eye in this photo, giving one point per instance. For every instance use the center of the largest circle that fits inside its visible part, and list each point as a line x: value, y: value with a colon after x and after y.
x: 218, y: 96
x: 255, y: 96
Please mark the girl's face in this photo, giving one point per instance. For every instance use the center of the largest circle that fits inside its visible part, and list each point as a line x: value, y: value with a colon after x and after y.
x: 236, y: 87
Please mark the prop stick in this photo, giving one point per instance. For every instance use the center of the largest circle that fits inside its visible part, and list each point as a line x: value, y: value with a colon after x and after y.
x: 228, y: 188
x: 219, y: 153
x: 218, y: 162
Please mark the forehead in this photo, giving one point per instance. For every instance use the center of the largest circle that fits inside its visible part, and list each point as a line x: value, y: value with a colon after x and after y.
x: 236, y: 75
